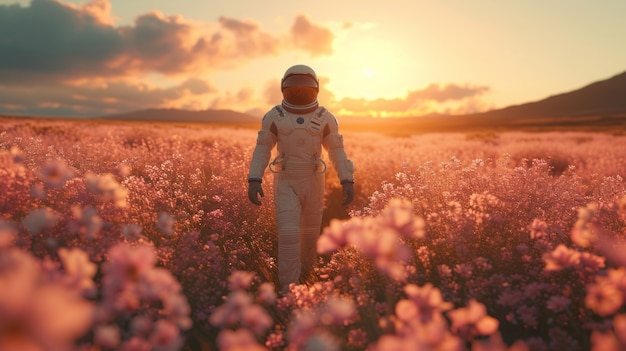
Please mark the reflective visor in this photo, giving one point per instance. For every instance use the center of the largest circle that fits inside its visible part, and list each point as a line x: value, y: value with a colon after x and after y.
x: 299, y: 80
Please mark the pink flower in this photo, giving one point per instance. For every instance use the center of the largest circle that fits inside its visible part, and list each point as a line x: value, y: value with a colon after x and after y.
x: 558, y: 303
x: 79, y: 269
x: 107, y: 336
x: 336, y: 311
x: 107, y: 187
x: 132, y: 232
x: 399, y: 214
x: 332, y: 238
x: 7, y: 234
x: 427, y: 299
x: 603, y: 298
x: 136, y: 344
x: 538, y: 229
x: 256, y: 319
x: 40, y: 219
x: 591, y: 262
x: 238, y: 340
x: 321, y: 341
x: 89, y: 220
x: 165, y: 223
x: 584, y: 232
x: 36, y: 314
x: 267, y: 293
x: 528, y: 316
x: 240, y: 280
x: 166, y: 336
x: 357, y: 338
x: 229, y: 313
x: 55, y: 173
x: 561, y: 257
x: 473, y: 320
x: 129, y: 263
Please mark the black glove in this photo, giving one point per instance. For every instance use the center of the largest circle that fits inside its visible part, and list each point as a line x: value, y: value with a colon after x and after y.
x: 254, y: 190
x: 348, y: 192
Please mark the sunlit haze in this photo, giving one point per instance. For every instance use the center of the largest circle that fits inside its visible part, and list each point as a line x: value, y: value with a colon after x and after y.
x: 392, y: 58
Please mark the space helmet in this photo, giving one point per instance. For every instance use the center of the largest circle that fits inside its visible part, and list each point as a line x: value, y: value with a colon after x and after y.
x: 300, y: 87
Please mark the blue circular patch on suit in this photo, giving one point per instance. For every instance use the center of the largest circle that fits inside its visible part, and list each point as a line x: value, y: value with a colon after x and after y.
x: 300, y: 120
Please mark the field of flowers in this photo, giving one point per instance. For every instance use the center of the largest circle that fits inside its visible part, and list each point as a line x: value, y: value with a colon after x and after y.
x: 132, y: 236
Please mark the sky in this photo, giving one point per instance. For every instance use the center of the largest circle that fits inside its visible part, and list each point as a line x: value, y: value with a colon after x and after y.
x: 391, y: 58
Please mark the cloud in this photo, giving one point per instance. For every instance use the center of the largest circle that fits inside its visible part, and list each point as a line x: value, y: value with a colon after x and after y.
x: 97, y: 98
x: 308, y: 36
x: 50, y: 46
x: 54, y: 40
x: 433, y: 98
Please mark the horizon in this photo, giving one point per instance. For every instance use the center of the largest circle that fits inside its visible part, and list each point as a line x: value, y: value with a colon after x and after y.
x: 413, y: 58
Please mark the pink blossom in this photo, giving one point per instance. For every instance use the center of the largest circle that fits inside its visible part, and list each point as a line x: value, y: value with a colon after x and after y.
x: 558, y: 303
x: 107, y: 336
x: 444, y: 271
x: 165, y: 336
x: 267, y: 293
x: 275, y: 340
x: 128, y: 263
x: 79, y: 269
x: 240, y: 280
x: 55, y: 173
x: 528, y: 316
x: 584, y: 232
x: 40, y: 219
x: 238, y: 340
x: 427, y: 299
x: 473, y: 320
x: 538, y: 229
x: 165, y: 223
x: 603, y: 298
x: 336, y: 311
x: 357, y: 338
x: 136, y: 344
x: 35, y: 314
x: 141, y: 325
x: 256, y: 319
x: 8, y: 234
x: 132, y: 232
x: 619, y: 327
x: 229, y: 313
x: 400, y: 215
x: 561, y: 257
x: 107, y: 187
x: 510, y: 298
x: 332, y: 238
x: 89, y: 220
x: 321, y: 341
x: 591, y: 262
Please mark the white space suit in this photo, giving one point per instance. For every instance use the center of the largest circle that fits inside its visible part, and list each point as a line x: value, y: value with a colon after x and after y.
x: 298, y: 135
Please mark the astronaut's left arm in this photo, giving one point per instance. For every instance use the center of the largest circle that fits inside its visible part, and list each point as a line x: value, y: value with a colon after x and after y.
x: 333, y: 143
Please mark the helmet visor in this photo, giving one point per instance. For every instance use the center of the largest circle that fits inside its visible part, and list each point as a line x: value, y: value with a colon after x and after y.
x: 299, y: 80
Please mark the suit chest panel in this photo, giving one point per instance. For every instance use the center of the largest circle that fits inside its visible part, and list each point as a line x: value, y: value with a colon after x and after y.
x: 309, y: 123
x: 299, y: 134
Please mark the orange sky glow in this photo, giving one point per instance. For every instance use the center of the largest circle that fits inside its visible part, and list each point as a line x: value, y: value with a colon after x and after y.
x: 380, y: 59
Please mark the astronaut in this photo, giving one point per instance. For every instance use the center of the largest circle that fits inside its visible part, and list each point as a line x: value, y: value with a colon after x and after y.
x: 298, y: 127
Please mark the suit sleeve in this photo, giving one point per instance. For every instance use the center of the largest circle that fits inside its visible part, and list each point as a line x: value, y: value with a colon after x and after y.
x: 333, y: 143
x: 265, y: 142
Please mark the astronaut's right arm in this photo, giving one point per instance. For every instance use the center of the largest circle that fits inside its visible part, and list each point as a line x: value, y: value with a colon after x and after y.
x: 265, y: 142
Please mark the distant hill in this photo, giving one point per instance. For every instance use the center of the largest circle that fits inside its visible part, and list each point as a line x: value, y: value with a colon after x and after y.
x: 597, y: 106
x: 185, y: 116
x: 603, y: 97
